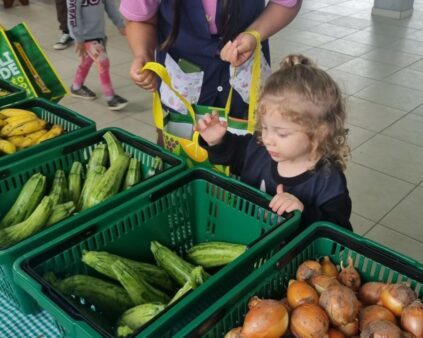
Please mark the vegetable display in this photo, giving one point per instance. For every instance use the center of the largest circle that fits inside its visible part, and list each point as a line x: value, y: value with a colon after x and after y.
x: 328, y: 303
x: 79, y: 189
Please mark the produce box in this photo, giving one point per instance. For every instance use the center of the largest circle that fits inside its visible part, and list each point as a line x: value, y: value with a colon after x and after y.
x: 62, y: 157
x: 373, y: 261
x: 74, y: 126
x: 10, y: 93
x: 194, y: 207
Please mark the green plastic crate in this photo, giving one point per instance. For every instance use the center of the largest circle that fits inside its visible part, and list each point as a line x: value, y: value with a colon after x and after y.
x: 373, y: 261
x: 74, y: 126
x: 15, y: 93
x: 196, y: 206
x: 62, y: 157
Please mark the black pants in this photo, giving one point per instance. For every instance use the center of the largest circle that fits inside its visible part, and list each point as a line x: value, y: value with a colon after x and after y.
x: 62, y: 15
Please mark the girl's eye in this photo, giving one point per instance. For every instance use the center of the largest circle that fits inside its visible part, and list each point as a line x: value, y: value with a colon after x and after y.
x: 263, y: 128
x: 282, y: 135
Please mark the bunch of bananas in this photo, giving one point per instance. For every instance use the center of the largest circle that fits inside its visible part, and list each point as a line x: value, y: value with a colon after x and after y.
x: 20, y: 128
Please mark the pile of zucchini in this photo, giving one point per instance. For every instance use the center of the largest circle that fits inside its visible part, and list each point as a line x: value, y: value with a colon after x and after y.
x: 109, y: 170
x: 136, y: 292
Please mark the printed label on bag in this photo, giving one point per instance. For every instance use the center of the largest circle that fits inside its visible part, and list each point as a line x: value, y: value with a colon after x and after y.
x: 11, y: 72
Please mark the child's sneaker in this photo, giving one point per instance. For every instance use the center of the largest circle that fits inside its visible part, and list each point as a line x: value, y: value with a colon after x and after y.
x: 117, y: 103
x: 64, y: 41
x: 83, y: 93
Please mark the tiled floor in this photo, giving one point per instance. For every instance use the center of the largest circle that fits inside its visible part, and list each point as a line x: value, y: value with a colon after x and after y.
x: 377, y: 61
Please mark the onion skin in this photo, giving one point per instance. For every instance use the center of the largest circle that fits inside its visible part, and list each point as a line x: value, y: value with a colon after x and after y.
x: 375, y: 312
x: 396, y: 297
x: 234, y: 333
x: 267, y: 318
x: 328, y: 268
x: 322, y: 282
x: 300, y: 292
x: 412, y: 319
x: 349, y: 330
x: 334, y: 333
x: 340, y: 303
x: 381, y: 329
x: 309, y: 321
x: 307, y: 269
x: 369, y: 293
x: 349, y: 276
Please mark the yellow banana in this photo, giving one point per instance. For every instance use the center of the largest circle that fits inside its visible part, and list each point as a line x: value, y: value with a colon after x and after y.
x: 2, y: 117
x: 7, y: 147
x: 17, y: 140
x: 14, y: 122
x: 28, y: 127
x: 55, y: 130
x: 9, y: 112
x: 2, y: 123
x: 30, y: 139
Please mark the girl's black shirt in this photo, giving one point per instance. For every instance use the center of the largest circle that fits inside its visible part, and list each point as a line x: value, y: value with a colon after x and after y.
x: 323, y: 190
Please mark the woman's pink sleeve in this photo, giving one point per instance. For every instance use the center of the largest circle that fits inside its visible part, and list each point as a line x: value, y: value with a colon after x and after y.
x: 285, y: 3
x: 138, y: 10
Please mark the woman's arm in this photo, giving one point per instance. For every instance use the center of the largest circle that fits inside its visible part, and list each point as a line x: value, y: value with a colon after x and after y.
x: 142, y: 39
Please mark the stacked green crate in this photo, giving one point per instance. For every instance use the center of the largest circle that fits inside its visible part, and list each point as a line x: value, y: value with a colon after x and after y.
x: 194, y: 207
x: 62, y: 157
x: 10, y: 93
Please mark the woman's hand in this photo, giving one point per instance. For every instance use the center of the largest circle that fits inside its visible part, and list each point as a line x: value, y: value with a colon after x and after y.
x: 80, y: 49
x: 240, y: 50
x: 211, y: 128
x: 145, y: 79
x: 284, y: 201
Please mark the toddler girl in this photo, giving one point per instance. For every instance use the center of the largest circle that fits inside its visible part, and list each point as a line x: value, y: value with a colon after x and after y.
x: 299, y: 151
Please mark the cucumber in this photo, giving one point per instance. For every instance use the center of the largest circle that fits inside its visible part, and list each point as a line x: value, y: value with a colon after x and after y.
x: 139, y: 290
x: 29, y: 197
x: 33, y: 224
x: 214, y: 254
x: 102, y: 261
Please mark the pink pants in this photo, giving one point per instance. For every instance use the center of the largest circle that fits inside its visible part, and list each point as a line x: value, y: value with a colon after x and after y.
x: 96, y: 53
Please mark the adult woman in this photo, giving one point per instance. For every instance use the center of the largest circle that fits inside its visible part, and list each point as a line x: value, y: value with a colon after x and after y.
x: 208, y: 34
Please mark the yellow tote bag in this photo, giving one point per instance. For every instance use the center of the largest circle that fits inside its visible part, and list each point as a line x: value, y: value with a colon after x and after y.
x: 188, y: 147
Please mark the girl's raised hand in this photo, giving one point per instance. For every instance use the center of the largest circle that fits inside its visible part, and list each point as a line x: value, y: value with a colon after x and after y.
x: 284, y: 201
x: 145, y: 79
x: 211, y: 128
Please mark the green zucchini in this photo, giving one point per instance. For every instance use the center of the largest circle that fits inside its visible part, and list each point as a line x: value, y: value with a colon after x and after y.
x: 114, y: 146
x: 29, y: 197
x: 93, y: 177
x: 214, y: 254
x: 75, y: 181
x: 133, y: 175
x: 60, y: 212
x: 139, y: 290
x: 137, y: 316
x: 59, y: 188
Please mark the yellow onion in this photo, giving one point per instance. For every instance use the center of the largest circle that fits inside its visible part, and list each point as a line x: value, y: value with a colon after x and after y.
x: 412, y: 319
x: 266, y: 318
x: 381, y: 329
x: 369, y: 293
x: 349, y: 276
x: 299, y: 293
x: 234, y: 333
x: 334, y: 333
x: 285, y: 303
x: 396, y: 297
x: 328, y: 268
x: 322, y: 282
x: 307, y: 269
x: 340, y: 303
x: 309, y: 320
x: 350, y: 329
x: 375, y: 312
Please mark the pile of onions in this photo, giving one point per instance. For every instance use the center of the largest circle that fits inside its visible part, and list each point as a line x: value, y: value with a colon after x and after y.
x: 382, y: 329
x: 328, y: 268
x: 322, y: 282
x: 265, y: 318
x: 375, y: 312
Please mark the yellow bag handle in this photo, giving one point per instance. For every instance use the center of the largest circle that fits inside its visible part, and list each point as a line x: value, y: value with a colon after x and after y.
x: 161, y: 72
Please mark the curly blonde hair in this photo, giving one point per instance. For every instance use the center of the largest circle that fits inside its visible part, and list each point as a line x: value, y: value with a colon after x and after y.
x: 308, y: 96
